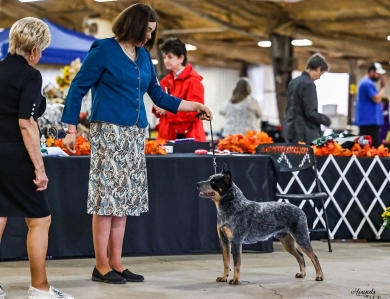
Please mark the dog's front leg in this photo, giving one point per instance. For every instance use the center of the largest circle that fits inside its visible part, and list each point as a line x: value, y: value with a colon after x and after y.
x: 225, y: 246
x: 236, y: 250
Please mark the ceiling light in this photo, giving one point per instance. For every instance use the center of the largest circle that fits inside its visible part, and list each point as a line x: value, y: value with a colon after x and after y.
x: 388, y: 37
x: 264, y: 44
x: 190, y: 47
x: 29, y: 0
x: 154, y: 61
x: 301, y: 42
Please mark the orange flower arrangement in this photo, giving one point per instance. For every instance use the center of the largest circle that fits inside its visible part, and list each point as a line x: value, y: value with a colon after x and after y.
x: 244, y: 144
x: 155, y: 147
x: 335, y: 149
x: 83, y: 147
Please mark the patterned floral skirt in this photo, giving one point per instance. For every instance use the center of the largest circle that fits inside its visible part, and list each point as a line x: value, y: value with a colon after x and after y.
x: 117, y: 180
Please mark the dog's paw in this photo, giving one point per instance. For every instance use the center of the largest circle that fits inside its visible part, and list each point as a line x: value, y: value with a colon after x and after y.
x: 221, y: 279
x: 300, y: 275
x: 234, y: 281
x: 320, y: 277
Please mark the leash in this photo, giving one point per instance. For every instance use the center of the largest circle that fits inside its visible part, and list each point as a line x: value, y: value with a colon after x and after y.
x: 212, y: 143
x: 212, y: 147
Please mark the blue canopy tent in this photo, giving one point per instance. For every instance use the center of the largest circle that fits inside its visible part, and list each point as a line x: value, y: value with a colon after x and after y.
x: 3, y: 39
x: 66, y: 45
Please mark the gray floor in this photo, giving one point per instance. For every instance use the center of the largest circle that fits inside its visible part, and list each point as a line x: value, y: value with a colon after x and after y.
x: 350, y: 266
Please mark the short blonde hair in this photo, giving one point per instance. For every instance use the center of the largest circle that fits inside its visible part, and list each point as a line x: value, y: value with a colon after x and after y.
x: 27, y: 33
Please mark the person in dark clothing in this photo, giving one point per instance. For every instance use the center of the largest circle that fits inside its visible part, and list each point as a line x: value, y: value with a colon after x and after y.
x: 23, y: 179
x: 385, y: 128
x: 302, y: 122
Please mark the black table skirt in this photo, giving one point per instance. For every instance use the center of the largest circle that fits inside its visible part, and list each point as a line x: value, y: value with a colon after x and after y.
x: 178, y: 221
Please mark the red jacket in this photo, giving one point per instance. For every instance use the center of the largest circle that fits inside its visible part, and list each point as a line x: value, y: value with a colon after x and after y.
x: 186, y: 86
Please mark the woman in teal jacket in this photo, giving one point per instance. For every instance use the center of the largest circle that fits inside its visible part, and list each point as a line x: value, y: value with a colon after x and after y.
x: 119, y: 70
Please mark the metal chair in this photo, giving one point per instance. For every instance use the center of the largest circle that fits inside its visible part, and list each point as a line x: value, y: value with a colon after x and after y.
x: 299, y: 157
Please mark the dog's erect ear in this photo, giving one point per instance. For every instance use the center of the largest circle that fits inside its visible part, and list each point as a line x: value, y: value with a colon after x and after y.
x: 228, y: 177
x: 224, y: 168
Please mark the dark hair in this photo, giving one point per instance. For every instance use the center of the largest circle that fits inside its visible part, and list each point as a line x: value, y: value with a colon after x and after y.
x: 317, y: 61
x: 372, y: 67
x: 241, y: 91
x: 131, y: 25
x: 176, y: 47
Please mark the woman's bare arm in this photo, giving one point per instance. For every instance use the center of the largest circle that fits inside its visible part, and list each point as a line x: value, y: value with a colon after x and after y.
x: 30, y: 133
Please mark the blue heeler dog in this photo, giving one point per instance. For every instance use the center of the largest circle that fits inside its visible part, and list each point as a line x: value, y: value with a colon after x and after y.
x: 241, y: 221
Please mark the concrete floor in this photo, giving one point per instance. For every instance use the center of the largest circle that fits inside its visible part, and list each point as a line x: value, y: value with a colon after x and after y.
x: 350, y: 266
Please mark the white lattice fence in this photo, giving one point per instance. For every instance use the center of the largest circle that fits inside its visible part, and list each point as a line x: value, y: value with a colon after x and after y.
x: 349, y: 185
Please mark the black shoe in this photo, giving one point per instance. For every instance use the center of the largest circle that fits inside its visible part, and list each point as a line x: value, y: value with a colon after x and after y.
x: 111, y: 277
x: 130, y: 276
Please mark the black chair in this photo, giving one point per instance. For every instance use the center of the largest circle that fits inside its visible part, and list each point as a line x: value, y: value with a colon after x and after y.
x: 299, y: 157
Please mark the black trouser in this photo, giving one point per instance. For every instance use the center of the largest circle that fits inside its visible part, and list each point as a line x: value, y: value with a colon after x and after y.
x: 373, y: 131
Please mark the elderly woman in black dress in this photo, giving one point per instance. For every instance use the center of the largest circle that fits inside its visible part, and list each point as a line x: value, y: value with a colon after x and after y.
x: 23, y: 180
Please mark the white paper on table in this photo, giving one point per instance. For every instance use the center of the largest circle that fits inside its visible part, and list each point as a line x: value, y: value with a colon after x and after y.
x: 169, y: 148
x: 55, y: 151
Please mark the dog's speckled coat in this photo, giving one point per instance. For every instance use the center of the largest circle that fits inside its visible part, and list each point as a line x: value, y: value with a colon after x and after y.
x: 241, y: 221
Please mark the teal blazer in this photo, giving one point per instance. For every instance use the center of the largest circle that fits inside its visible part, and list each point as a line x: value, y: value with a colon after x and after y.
x: 118, y: 86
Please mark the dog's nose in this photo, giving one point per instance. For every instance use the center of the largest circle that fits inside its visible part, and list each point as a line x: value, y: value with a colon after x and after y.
x: 198, y: 184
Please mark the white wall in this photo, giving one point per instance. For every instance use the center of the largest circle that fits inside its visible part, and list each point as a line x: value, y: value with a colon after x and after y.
x: 104, y: 28
x: 332, y: 88
x: 49, y: 74
x: 263, y: 89
x: 218, y: 85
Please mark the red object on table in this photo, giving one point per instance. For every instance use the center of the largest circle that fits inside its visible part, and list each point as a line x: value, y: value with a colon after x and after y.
x: 201, y: 152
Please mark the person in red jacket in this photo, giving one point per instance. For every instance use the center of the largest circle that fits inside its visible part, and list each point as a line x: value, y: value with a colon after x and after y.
x: 183, y: 82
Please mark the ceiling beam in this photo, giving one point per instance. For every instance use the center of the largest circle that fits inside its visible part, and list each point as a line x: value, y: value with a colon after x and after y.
x: 105, y: 9
x: 17, y: 10
x: 348, y: 45
x: 213, y: 19
x: 193, y: 30
x: 235, y: 52
x: 212, y: 62
x: 246, y: 10
x: 383, y: 3
x: 5, y: 21
x: 64, y: 13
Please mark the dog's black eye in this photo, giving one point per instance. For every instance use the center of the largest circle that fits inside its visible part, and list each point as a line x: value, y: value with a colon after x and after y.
x: 212, y: 182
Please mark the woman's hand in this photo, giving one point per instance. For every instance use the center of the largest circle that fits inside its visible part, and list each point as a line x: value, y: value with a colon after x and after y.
x: 41, y: 181
x: 70, y: 142
x: 159, y: 110
x: 204, y: 113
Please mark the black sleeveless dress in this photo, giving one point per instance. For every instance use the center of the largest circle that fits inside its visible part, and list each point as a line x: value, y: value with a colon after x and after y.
x: 20, y: 98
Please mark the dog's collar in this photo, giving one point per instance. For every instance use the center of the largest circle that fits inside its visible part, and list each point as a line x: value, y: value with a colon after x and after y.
x: 230, y: 190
